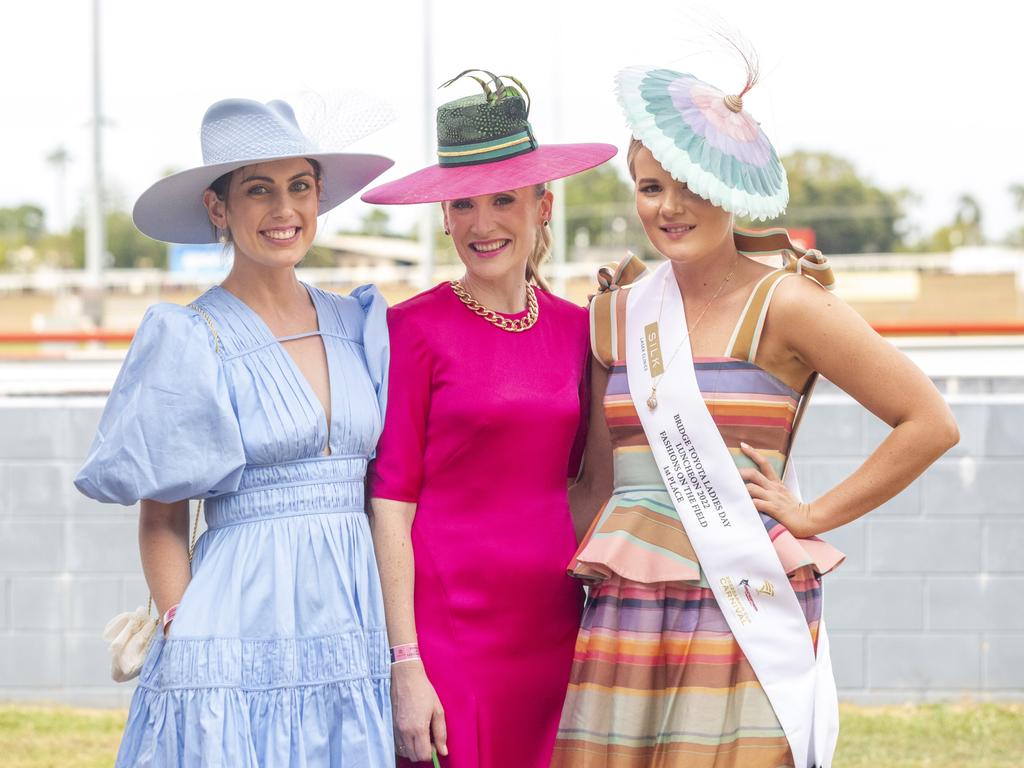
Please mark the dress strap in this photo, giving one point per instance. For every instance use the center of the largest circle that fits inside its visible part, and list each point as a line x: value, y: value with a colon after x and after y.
x: 809, y: 262
x: 608, y: 327
x: 747, y: 334
x: 608, y: 309
x: 297, y: 336
x: 796, y: 261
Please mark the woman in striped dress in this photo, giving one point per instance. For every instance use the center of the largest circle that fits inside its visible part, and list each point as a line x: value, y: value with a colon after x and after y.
x: 659, y: 678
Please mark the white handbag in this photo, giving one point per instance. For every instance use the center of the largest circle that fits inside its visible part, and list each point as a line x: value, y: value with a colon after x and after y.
x: 129, y: 635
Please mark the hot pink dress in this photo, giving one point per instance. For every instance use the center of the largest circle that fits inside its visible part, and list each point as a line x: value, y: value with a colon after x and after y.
x: 482, y: 428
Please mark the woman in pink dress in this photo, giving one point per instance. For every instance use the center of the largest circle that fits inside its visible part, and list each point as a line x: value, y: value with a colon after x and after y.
x: 486, y: 413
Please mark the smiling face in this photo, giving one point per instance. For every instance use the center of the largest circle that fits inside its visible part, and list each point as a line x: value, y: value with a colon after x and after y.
x: 270, y: 210
x: 683, y: 226
x: 495, y: 235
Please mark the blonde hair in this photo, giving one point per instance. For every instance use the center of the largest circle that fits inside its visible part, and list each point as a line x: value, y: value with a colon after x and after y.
x: 635, y: 145
x: 540, y: 250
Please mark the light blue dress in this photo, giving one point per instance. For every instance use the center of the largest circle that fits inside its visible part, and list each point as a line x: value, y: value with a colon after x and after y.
x: 278, y: 655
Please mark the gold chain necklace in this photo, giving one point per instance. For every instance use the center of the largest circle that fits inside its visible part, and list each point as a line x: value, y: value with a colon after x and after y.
x: 512, y: 326
x: 652, y: 399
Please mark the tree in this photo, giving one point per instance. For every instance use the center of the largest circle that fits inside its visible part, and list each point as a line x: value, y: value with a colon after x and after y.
x: 847, y: 213
x: 23, y: 225
x: 20, y: 227
x: 1017, y: 192
x: 60, y: 158
x: 375, y: 223
x: 128, y: 248
x: 593, y: 199
x: 319, y: 257
x: 965, y: 229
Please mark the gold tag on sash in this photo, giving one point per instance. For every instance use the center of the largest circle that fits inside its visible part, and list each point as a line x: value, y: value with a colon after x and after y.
x: 654, y: 358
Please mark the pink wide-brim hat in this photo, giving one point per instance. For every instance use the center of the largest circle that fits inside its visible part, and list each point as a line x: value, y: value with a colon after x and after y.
x: 437, y: 183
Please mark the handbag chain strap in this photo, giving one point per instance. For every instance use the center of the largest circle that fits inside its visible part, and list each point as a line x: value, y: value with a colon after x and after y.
x: 191, y: 548
x: 209, y: 321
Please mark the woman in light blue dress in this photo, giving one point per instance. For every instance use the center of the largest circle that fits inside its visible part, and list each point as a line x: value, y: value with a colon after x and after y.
x: 265, y: 398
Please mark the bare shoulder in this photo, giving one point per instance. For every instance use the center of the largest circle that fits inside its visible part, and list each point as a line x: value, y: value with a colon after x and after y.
x: 801, y: 306
x: 824, y: 333
x: 802, y: 294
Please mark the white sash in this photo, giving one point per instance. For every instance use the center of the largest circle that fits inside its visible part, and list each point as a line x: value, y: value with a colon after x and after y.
x: 731, y: 542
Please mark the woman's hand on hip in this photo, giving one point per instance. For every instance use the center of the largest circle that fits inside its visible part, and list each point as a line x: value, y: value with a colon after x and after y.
x: 418, y: 714
x: 773, y: 498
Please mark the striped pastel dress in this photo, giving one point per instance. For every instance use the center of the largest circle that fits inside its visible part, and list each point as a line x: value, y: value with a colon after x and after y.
x: 658, y: 678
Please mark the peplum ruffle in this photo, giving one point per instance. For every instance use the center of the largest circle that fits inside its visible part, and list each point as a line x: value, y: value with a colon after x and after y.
x: 636, y: 520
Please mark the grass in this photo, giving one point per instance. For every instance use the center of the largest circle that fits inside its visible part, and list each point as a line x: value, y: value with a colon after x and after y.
x: 922, y: 736
x: 932, y: 736
x: 52, y: 737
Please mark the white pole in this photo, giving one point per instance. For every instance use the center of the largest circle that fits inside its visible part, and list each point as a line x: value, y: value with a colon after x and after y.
x: 96, y: 237
x: 558, y: 224
x: 427, y: 216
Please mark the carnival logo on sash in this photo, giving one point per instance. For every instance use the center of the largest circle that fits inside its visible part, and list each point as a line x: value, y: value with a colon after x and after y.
x: 766, y: 589
x: 733, y: 598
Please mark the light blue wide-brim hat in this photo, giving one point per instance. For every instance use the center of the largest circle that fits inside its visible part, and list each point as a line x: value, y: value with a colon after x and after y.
x: 237, y: 133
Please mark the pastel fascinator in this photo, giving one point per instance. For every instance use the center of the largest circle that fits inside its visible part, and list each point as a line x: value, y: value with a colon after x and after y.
x: 704, y: 138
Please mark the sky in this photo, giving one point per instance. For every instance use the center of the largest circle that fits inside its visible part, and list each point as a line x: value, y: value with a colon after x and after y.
x: 917, y: 95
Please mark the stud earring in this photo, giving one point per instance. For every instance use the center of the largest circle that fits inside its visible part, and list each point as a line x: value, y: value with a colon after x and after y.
x: 546, y: 222
x: 446, y: 231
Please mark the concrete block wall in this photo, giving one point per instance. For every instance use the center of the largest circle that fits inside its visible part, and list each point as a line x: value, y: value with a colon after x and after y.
x: 929, y: 604
x: 67, y: 564
x: 930, y: 601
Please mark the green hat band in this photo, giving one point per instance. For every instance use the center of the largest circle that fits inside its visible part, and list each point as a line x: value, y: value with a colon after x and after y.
x: 487, y: 151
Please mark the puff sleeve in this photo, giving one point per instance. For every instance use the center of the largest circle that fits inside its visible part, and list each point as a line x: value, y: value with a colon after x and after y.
x: 397, y: 474
x: 376, y: 345
x: 169, y: 430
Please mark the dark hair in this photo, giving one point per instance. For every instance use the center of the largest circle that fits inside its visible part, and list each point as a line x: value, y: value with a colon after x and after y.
x: 219, y: 186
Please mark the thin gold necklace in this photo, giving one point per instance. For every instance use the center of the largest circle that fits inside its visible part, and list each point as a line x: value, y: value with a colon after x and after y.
x: 652, y: 399
x: 512, y: 326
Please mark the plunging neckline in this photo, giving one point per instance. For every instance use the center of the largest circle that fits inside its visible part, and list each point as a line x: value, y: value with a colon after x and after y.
x: 304, y: 382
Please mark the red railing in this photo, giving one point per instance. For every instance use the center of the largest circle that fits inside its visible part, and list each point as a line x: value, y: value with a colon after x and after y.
x: 67, y: 337
x: 949, y: 329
